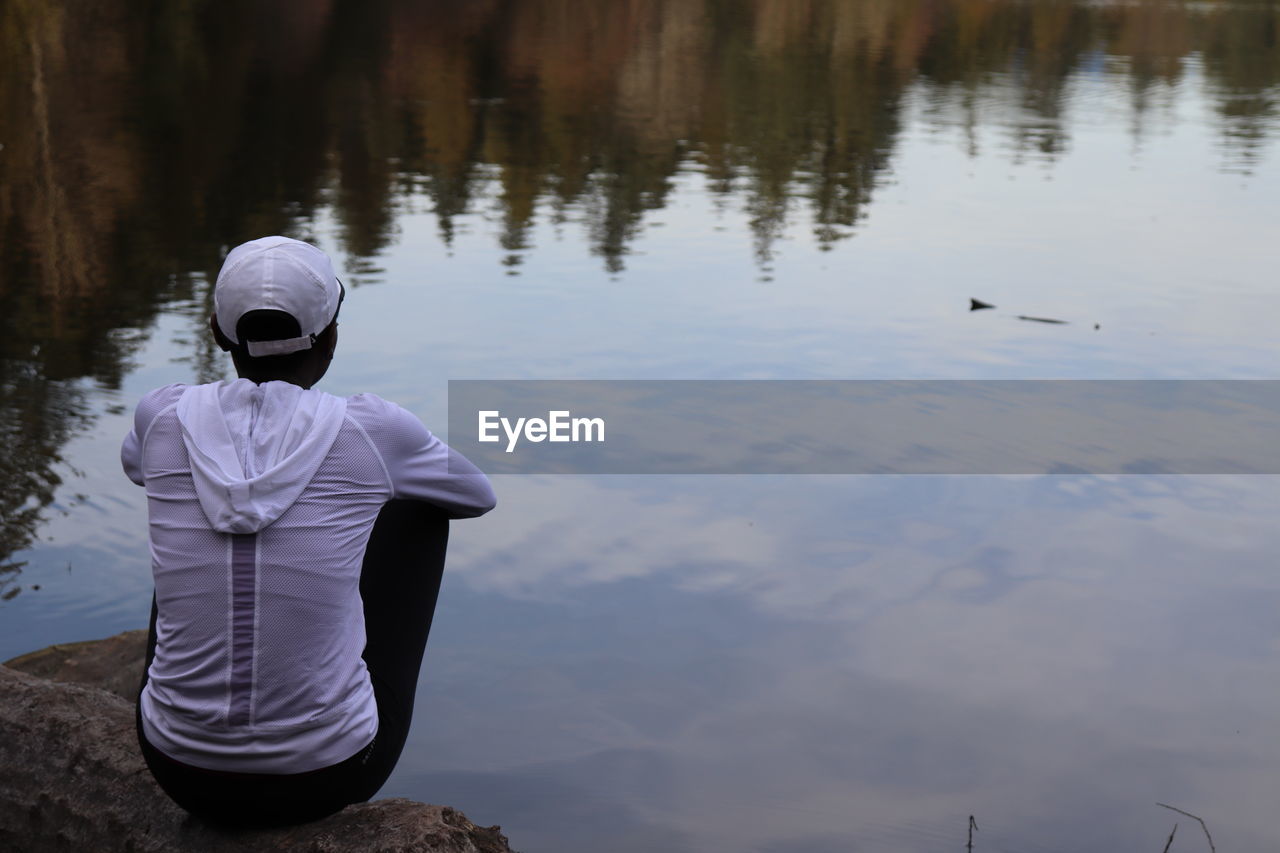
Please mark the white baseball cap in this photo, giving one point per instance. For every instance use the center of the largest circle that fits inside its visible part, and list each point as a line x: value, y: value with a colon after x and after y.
x: 280, y: 274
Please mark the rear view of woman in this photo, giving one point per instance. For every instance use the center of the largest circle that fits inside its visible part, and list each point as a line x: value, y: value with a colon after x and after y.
x: 297, y: 543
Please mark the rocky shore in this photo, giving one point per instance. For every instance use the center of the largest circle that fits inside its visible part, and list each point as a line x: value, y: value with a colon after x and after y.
x: 71, y: 776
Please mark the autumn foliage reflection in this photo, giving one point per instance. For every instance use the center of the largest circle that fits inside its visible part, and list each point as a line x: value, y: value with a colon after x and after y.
x: 141, y: 139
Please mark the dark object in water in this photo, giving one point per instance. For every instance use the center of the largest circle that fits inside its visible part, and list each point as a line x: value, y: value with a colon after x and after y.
x: 979, y: 305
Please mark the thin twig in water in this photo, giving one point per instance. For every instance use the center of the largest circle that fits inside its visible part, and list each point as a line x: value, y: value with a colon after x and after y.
x: 973, y: 824
x: 1169, y: 843
x: 1212, y: 849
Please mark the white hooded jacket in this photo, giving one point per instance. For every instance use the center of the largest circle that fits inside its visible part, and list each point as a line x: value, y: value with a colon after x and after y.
x: 261, y: 499
x: 254, y: 448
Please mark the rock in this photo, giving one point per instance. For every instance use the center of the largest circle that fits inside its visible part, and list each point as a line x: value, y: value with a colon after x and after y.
x: 113, y: 664
x: 71, y: 776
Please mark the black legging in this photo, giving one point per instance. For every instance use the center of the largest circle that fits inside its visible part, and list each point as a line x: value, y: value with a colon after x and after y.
x: 399, y: 583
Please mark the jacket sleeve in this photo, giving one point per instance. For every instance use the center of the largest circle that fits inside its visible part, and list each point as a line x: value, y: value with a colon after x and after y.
x: 422, y: 467
x: 148, y: 408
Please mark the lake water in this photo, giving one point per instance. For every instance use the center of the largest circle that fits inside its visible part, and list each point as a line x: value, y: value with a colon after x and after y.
x: 704, y: 189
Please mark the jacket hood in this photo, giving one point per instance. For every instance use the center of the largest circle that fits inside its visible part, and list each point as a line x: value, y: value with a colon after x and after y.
x: 254, y: 448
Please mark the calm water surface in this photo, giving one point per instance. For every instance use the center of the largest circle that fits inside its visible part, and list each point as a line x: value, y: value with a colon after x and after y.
x: 766, y: 189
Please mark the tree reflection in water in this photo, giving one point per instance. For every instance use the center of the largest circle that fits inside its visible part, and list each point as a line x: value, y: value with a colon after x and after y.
x: 141, y: 141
